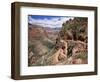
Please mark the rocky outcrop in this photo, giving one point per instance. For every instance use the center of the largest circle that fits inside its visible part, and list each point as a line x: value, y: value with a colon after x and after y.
x: 69, y: 46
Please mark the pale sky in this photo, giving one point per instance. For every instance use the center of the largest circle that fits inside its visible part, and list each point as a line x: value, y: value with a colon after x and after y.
x: 48, y: 21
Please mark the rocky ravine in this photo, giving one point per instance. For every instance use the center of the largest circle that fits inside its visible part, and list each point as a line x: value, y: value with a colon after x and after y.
x: 70, y: 46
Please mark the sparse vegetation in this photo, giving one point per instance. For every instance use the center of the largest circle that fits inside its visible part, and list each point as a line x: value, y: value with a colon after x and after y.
x: 68, y: 46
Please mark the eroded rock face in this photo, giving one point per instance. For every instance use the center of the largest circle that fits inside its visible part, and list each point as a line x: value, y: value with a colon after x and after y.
x: 68, y: 47
x: 61, y: 55
x: 79, y: 52
x: 77, y: 61
x: 57, y: 57
x: 31, y: 58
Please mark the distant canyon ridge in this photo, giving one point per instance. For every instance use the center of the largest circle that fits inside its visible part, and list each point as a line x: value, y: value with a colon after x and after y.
x: 58, y: 46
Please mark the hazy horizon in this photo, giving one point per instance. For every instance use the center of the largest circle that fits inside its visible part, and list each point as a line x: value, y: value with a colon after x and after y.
x: 48, y: 21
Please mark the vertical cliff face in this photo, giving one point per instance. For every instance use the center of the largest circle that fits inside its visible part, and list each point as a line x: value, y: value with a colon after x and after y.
x: 75, y: 29
x: 74, y: 32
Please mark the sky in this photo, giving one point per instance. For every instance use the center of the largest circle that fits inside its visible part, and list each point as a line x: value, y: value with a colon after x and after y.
x: 48, y: 21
